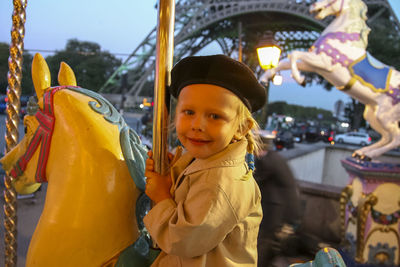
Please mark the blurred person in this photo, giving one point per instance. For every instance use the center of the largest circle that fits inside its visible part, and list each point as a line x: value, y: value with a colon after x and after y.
x: 280, y: 204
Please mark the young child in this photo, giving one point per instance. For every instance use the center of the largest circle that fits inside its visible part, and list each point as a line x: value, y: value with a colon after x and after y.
x: 207, y: 210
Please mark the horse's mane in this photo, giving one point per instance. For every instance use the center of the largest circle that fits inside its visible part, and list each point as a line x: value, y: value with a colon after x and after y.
x: 358, y: 11
x: 101, y: 106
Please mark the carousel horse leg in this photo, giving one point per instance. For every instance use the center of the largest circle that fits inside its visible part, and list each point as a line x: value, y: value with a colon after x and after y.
x: 284, y: 65
x: 392, y: 145
x: 394, y: 142
x: 270, y: 73
x: 310, y: 59
x: 370, y: 116
x: 388, y: 116
x: 385, y: 121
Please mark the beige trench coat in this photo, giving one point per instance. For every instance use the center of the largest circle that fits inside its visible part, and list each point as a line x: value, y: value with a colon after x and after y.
x: 215, y: 213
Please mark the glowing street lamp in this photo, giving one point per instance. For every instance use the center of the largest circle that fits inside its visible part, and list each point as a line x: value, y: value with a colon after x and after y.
x: 268, y: 53
x: 268, y: 56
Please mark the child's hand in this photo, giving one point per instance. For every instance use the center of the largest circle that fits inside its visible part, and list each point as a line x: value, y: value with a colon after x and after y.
x: 157, y: 186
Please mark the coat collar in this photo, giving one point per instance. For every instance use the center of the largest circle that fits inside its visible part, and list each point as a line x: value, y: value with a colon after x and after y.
x: 232, y: 155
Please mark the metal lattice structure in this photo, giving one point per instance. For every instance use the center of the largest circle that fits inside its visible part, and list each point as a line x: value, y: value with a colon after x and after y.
x: 198, y: 23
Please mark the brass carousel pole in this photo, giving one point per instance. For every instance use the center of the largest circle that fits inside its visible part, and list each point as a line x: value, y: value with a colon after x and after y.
x: 164, y: 59
x: 14, y: 77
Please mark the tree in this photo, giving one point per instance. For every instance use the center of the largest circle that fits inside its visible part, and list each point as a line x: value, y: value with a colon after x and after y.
x: 384, y: 42
x: 299, y: 112
x: 353, y: 111
x: 91, y: 66
x: 26, y: 84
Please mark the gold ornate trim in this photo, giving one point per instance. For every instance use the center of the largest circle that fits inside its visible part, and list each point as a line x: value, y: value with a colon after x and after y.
x: 14, y: 79
x: 364, y: 207
x: 346, y: 194
x: 348, y: 85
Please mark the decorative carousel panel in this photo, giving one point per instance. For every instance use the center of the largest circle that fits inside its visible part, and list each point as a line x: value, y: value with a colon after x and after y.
x: 371, y: 212
x: 381, y: 234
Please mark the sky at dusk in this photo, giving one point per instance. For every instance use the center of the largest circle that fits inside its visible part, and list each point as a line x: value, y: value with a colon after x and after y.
x: 119, y: 27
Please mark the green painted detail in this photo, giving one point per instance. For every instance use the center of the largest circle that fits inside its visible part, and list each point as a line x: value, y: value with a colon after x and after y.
x: 135, y: 154
x: 326, y: 257
x: 139, y: 254
x: 102, y: 106
x: 143, y: 206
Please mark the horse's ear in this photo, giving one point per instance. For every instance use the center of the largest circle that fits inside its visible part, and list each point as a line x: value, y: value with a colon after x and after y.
x: 40, y: 75
x: 66, y: 75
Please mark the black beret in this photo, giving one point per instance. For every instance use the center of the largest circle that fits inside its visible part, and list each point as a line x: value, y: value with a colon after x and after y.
x: 219, y: 70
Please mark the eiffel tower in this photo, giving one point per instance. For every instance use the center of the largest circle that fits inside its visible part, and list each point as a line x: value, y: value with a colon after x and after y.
x: 198, y: 23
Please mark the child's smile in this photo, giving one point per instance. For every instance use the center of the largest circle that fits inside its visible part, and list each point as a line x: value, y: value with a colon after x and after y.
x: 206, y: 119
x: 198, y: 142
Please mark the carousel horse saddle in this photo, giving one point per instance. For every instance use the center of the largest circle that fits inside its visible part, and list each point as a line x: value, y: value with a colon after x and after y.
x: 326, y: 257
x: 371, y: 73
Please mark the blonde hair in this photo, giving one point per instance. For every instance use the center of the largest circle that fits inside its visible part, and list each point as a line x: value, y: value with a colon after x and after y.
x: 246, y: 122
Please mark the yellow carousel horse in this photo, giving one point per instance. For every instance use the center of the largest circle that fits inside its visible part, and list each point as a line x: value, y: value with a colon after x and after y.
x: 73, y: 142
x: 339, y: 55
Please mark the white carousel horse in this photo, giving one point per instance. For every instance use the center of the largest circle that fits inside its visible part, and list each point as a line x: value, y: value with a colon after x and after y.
x: 340, y: 56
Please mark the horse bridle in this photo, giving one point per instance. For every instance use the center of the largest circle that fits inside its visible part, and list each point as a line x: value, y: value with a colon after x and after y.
x: 42, y: 136
x: 333, y: 2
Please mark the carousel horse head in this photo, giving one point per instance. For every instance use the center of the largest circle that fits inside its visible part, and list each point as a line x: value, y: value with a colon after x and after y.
x: 324, y: 8
x: 94, y: 165
x: 26, y: 177
x: 354, y: 10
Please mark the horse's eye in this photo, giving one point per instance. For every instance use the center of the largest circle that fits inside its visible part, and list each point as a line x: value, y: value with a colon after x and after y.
x: 25, y: 129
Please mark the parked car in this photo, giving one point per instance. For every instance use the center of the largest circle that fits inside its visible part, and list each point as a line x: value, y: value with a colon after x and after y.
x: 283, y: 140
x: 269, y: 133
x: 355, y: 138
x: 3, y: 103
x: 299, y: 134
x: 326, y: 134
x: 312, y: 134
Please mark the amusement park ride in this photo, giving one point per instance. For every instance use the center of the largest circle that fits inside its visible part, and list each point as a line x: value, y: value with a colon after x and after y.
x: 74, y: 136
x: 88, y: 154
x: 370, y: 203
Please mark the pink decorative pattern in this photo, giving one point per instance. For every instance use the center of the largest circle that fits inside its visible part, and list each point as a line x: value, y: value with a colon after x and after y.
x: 321, y: 45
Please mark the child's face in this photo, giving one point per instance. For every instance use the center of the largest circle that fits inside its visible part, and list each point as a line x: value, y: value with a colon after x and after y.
x: 206, y: 119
